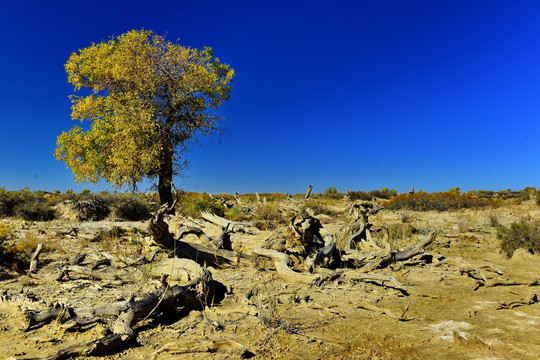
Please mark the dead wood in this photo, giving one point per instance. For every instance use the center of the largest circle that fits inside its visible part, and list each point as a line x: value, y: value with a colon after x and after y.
x: 384, y: 257
x: 391, y: 314
x: 416, y: 249
x: 281, y: 262
x: 100, y: 263
x: 35, y: 259
x: 308, y: 192
x: 326, y: 251
x: 223, y: 223
x: 506, y: 282
x: 175, y: 301
x: 237, y: 198
x: 205, y: 239
x: 357, y: 233
x: 77, y: 259
x: 376, y: 279
x: 223, y: 241
x: 513, y: 304
x: 201, y: 254
x: 210, y: 346
x: 66, y: 269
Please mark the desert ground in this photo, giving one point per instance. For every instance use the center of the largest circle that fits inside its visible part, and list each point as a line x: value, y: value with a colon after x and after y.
x: 462, y: 298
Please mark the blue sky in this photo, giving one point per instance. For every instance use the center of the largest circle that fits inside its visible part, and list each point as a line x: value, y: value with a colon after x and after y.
x: 358, y: 95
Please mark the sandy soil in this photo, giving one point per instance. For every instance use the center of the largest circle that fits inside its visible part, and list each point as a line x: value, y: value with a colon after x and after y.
x: 446, y: 317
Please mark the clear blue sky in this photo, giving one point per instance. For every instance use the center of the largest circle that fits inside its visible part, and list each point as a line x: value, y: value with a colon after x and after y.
x: 358, y: 95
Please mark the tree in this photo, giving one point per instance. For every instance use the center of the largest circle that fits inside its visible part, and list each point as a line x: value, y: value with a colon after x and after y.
x: 145, y: 100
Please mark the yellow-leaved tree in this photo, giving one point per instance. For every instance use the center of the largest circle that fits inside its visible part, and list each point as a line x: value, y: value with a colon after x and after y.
x: 145, y: 99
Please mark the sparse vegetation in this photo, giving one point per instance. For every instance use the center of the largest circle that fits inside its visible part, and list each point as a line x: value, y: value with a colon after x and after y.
x: 192, y: 204
x: 493, y: 220
x: 440, y: 201
x: 524, y: 234
x: 5, y: 233
x: 86, y: 206
x: 385, y: 193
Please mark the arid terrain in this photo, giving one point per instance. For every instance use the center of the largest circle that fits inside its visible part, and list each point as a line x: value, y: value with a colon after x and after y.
x: 463, y: 298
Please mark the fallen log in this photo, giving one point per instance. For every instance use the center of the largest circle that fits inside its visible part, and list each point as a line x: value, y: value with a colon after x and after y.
x: 281, y: 262
x: 223, y: 223
x: 174, y: 301
x: 391, y: 314
x: 376, y: 279
x: 66, y: 269
x: 513, y: 304
x: 201, y: 254
x: 507, y: 282
x: 210, y: 346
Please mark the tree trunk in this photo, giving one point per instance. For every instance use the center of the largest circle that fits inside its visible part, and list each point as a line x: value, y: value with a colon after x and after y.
x: 165, y: 190
x: 166, y: 174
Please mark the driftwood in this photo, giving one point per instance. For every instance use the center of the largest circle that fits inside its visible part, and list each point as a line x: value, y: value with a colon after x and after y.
x: 35, y: 259
x: 210, y: 346
x: 66, y: 269
x: 505, y: 282
x: 358, y: 247
x: 237, y: 198
x: 217, y: 253
x: 326, y: 251
x: 513, y: 304
x: 377, y: 279
x: 391, y: 314
x: 223, y: 223
x: 175, y: 301
x: 308, y: 192
x: 281, y: 262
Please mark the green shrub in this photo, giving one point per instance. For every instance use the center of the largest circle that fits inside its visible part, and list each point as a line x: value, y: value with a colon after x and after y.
x: 384, y: 193
x: 358, y: 195
x: 524, y: 234
x: 235, y: 213
x: 317, y: 206
x: 130, y: 208
x: 26, y: 205
x: 268, y: 211
x: 192, y: 204
x: 440, y: 201
x: 5, y: 233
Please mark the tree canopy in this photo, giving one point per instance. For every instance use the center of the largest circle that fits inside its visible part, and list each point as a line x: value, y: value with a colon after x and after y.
x: 145, y: 99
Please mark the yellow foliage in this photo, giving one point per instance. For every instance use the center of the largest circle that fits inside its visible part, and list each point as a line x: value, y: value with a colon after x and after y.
x: 148, y: 97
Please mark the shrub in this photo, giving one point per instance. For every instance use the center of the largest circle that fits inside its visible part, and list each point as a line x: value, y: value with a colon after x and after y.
x: 317, y: 206
x: 130, y: 208
x: 235, y: 213
x: 26, y: 205
x: 332, y: 193
x: 5, y: 233
x: 493, y: 220
x: 90, y: 208
x: 268, y: 211
x: 358, y: 195
x: 400, y: 231
x: 440, y: 201
x: 385, y: 193
x: 192, y: 204
x: 524, y: 234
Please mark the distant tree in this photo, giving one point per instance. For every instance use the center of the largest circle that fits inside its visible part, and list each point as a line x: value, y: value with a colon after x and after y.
x: 331, y: 191
x: 147, y: 99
